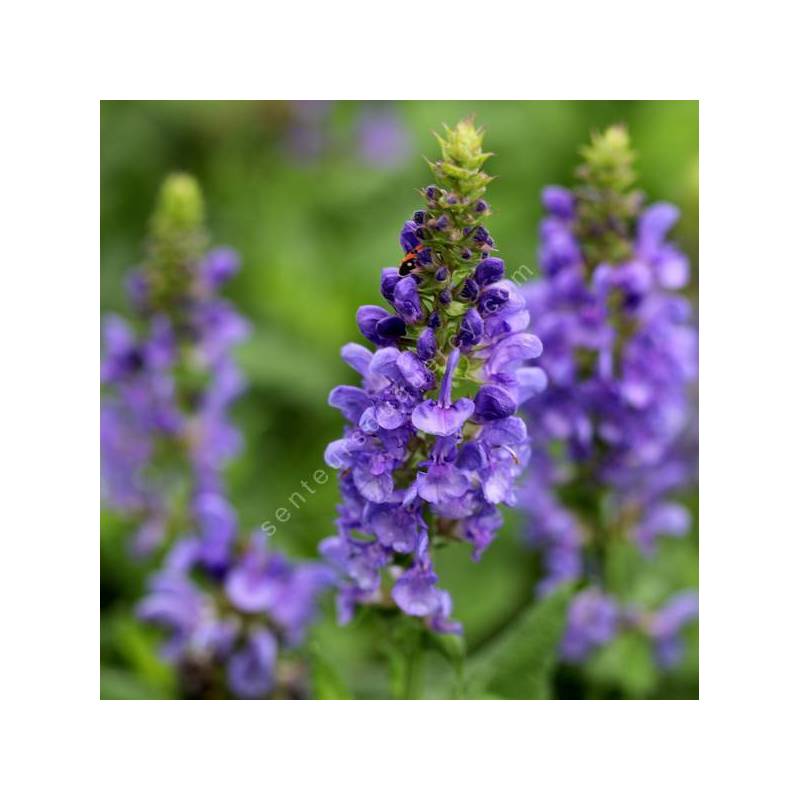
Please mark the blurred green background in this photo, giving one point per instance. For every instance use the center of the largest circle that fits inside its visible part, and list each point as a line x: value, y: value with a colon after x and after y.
x: 313, y: 195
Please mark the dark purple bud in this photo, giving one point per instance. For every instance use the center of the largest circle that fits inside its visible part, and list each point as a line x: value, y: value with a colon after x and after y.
x: 481, y: 235
x: 471, y: 457
x: 432, y: 192
x: 470, y: 289
x: 442, y: 223
x: 445, y: 298
x: 424, y: 257
x: 481, y: 206
x: 419, y: 217
x: 493, y: 402
x: 389, y: 279
x: 490, y: 269
x: 422, y: 233
x: 492, y: 300
x: 408, y: 236
x: 471, y: 329
x: 558, y: 201
x: 452, y: 199
x: 406, y: 300
x: 390, y: 327
x: 466, y: 254
x: 426, y: 344
x: 367, y: 319
x: 434, y: 321
x: 441, y: 274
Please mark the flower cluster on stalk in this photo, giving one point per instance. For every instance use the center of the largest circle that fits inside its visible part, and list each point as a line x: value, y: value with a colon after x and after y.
x: 169, y: 377
x: 432, y: 444
x: 620, y: 354
x: 228, y: 609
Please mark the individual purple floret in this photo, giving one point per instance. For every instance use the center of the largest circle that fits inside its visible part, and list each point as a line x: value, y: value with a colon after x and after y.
x: 169, y: 376
x: 432, y: 444
x: 664, y: 627
x: 620, y: 354
x: 592, y: 621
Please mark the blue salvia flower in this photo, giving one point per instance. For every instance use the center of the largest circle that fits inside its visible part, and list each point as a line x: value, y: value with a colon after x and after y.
x: 229, y: 610
x: 170, y: 377
x: 432, y: 444
x: 620, y: 356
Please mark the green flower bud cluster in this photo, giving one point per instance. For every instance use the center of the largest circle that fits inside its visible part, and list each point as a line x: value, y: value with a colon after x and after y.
x: 178, y: 239
x: 607, y: 204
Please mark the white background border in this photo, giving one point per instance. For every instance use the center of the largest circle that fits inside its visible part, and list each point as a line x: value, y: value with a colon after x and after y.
x: 59, y: 59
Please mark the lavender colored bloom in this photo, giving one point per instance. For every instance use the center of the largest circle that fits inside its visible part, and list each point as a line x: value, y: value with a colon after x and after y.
x: 169, y: 382
x: 620, y: 354
x: 230, y: 619
x: 421, y: 461
x: 592, y: 621
x: 169, y: 379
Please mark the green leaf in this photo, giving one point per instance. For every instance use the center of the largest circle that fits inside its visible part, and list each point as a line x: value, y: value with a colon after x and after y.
x: 519, y: 663
x: 119, y: 684
x: 138, y: 646
x: 326, y: 683
x: 627, y: 664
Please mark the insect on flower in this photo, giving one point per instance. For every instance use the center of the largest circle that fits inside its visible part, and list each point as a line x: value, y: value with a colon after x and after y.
x: 410, y: 260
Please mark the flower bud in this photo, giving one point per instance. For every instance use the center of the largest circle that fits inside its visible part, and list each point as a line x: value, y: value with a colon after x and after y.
x: 490, y: 270
x: 492, y: 403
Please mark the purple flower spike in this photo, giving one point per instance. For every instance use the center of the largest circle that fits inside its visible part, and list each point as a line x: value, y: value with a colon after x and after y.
x: 410, y: 451
x: 610, y: 406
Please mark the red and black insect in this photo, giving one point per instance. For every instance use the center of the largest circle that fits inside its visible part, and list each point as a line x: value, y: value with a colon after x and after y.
x: 410, y: 260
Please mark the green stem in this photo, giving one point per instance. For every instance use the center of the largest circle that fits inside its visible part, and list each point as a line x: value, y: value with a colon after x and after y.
x: 413, y: 673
